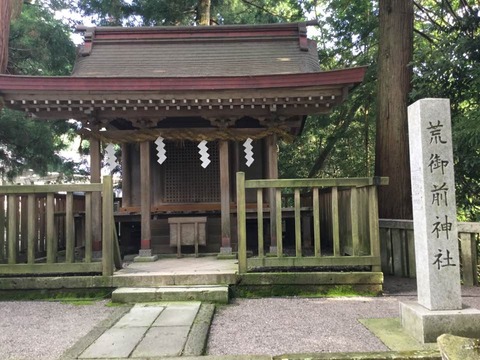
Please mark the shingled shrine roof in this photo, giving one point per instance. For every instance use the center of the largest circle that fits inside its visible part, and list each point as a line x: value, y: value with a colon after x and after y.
x: 139, y: 83
x: 197, y: 51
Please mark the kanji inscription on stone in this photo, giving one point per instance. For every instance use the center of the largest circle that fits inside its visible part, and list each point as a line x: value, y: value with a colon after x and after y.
x: 434, y: 207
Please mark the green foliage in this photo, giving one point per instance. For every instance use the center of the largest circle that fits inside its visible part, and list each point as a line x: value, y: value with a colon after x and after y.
x: 340, y: 144
x: 185, y: 12
x: 26, y: 144
x: 39, y: 45
x: 446, y: 65
x: 446, y: 58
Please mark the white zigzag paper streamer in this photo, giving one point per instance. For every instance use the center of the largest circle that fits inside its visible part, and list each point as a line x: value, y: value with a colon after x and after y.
x: 248, y: 151
x: 161, y: 152
x: 204, y: 156
x: 110, y: 158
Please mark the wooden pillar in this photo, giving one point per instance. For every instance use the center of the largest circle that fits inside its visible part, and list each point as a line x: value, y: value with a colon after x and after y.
x: 272, y: 173
x: 145, y: 206
x: 126, y: 176
x: 225, y: 198
x: 95, y: 177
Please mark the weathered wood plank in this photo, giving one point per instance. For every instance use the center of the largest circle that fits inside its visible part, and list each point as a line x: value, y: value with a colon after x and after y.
x: 70, y: 230
x: 145, y: 183
x: 50, y: 230
x: 396, y: 224
x: 241, y: 223
x: 95, y: 178
x: 59, y: 268
x: 385, y: 253
x: 316, y: 223
x: 179, y: 240
x: 42, y: 246
x: 278, y: 221
x: 412, y: 271
x: 335, y: 222
x: 469, y: 259
x: 45, y: 189
x: 88, y: 227
x: 117, y: 256
x: 312, y: 261
x: 12, y: 229
x: 354, y: 220
x: 302, y: 183
x: 31, y: 228
x: 225, y: 194
x: 373, y: 227
x: 398, y: 252
x: 272, y: 171
x: 3, y: 255
x: 24, y: 223
x: 107, y: 226
x: 126, y: 176
x: 261, y: 253
x: 298, y: 225
x: 467, y: 227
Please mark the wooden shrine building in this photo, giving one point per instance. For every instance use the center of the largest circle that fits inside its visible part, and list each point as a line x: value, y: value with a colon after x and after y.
x: 172, y: 88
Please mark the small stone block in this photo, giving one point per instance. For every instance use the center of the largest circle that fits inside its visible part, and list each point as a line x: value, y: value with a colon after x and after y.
x: 139, y: 316
x: 162, y: 341
x: 133, y: 295
x: 181, y: 315
x: 115, y: 343
x: 426, y: 325
x: 140, y: 258
x: 217, y: 294
x: 226, y: 250
x: 458, y: 348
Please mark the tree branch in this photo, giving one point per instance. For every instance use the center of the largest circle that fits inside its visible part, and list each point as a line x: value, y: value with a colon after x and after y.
x: 262, y: 8
x: 425, y: 36
x: 427, y: 12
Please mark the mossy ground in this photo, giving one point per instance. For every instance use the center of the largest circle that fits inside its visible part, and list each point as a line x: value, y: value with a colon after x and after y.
x: 301, y: 291
x: 70, y: 296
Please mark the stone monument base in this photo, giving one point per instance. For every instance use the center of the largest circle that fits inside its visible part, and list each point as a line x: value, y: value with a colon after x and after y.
x: 426, y: 325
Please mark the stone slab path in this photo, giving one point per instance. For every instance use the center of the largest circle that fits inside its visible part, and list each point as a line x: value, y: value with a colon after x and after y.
x: 147, y: 330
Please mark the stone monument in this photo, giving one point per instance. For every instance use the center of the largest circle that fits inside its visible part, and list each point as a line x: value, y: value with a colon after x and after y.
x: 439, y: 308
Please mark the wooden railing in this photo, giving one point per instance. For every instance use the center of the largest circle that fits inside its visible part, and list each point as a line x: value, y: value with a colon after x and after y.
x: 345, y: 222
x: 398, y: 249
x: 41, y: 229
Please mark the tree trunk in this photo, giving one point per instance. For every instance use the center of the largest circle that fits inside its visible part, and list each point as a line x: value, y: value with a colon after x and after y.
x: 204, y: 12
x: 394, y: 78
x: 5, y: 14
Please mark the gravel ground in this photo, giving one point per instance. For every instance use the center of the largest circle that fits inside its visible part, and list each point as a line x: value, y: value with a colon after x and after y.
x: 295, y: 325
x: 45, y: 330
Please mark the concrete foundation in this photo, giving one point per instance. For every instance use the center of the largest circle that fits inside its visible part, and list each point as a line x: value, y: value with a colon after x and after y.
x: 426, y: 325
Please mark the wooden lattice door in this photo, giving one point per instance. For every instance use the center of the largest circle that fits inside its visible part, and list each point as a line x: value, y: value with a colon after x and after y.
x: 186, y: 181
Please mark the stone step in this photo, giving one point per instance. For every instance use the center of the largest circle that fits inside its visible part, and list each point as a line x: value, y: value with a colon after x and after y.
x: 206, y: 293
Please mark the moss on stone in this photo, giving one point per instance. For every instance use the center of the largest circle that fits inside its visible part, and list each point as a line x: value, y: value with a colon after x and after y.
x: 64, y: 295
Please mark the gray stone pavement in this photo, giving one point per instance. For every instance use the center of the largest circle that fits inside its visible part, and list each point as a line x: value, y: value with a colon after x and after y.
x: 147, y: 330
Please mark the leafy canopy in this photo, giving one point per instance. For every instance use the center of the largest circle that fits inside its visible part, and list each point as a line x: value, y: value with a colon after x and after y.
x: 39, y: 45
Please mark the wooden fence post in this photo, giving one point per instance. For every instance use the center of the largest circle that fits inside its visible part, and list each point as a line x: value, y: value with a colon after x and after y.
x: 12, y: 229
x: 241, y: 223
x: 373, y: 224
x: 469, y: 259
x: 2, y: 229
x: 107, y: 226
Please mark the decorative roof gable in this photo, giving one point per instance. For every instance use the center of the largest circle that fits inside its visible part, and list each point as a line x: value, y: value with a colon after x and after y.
x: 244, y: 50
